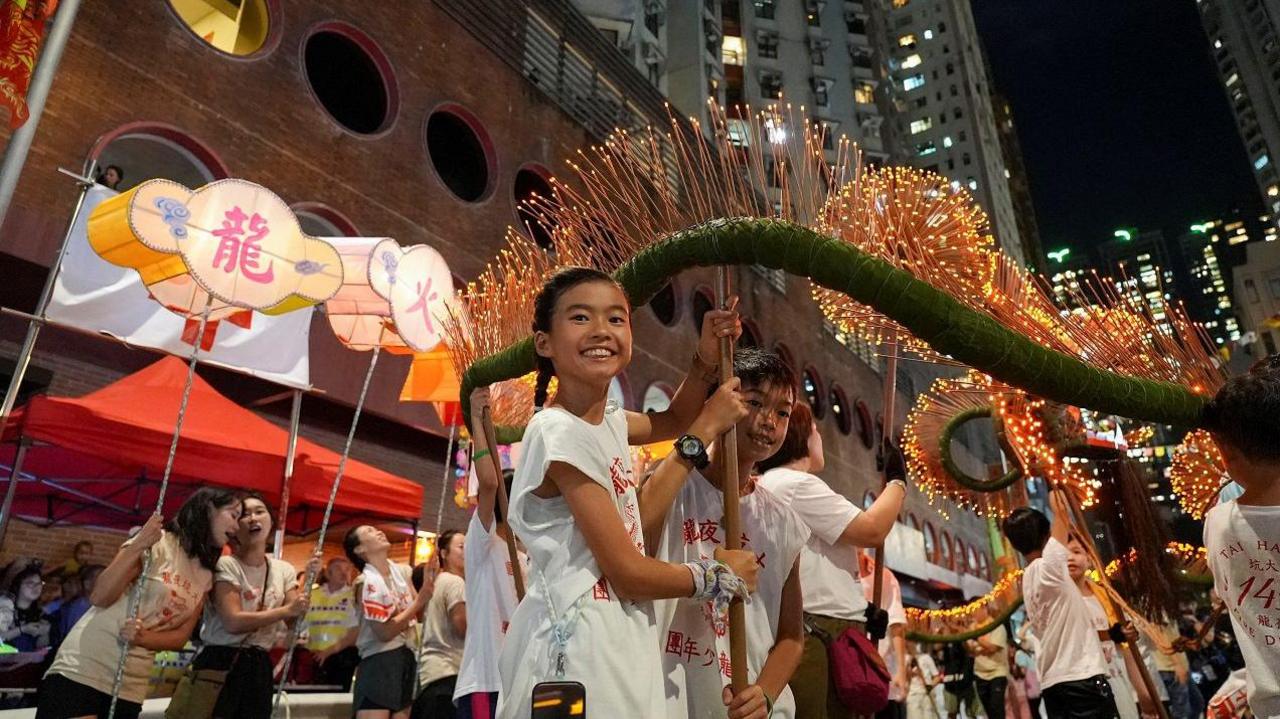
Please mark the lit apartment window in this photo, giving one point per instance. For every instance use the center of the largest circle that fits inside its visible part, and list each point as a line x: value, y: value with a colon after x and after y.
x: 913, y: 82
x: 864, y: 93
x: 926, y: 148
x: 765, y: 8
x: 821, y: 90
x: 946, y: 141
x: 919, y: 126
x: 1261, y: 162
x: 973, y: 184
x: 733, y: 51
x: 771, y: 86
x: 908, y: 41
x: 813, y: 12
x: 911, y: 61
x: 928, y: 34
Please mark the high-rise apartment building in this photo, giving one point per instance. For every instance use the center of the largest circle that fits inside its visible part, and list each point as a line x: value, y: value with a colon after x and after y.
x: 1206, y: 289
x: 942, y: 106
x: 1246, y: 49
x: 1139, y: 267
x: 1024, y: 211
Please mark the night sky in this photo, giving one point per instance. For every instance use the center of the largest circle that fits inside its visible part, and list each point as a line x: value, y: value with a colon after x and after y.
x: 1120, y: 114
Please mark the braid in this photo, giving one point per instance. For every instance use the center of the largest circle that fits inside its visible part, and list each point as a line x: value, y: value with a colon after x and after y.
x: 545, y: 373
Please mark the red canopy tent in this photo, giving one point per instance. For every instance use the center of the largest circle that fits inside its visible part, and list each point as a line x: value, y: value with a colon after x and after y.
x: 97, y: 459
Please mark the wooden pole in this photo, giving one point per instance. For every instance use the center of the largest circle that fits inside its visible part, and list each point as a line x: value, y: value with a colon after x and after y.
x: 890, y: 393
x: 1082, y: 527
x: 491, y: 439
x: 729, y: 486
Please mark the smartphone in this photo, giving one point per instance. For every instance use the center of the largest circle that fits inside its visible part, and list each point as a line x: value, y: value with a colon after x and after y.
x: 558, y: 700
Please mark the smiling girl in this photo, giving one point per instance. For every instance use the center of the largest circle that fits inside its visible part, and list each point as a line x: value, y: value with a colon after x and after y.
x: 588, y: 616
x: 254, y: 595
x: 183, y: 555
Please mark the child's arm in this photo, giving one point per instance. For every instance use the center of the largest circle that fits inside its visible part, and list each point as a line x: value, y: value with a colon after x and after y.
x: 486, y: 479
x: 783, y: 659
x: 724, y: 409
x: 649, y: 427
x: 126, y: 566
x: 633, y: 575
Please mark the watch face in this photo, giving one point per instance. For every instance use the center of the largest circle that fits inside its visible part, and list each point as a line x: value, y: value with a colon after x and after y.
x: 690, y: 446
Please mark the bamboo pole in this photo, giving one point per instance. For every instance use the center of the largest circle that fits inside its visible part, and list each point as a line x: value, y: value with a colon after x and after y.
x: 729, y: 486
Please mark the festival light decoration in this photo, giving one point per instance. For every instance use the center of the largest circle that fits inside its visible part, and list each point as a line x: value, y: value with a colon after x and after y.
x: 227, y: 247
x: 1197, y: 473
x: 391, y: 296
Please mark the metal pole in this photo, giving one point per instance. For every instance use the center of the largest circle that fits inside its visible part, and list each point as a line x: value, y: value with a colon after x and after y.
x: 729, y: 488
x: 291, y: 447
x: 15, y: 155
x: 37, y: 322
x: 890, y: 393
x: 12, y: 489
x: 324, y: 523
x: 135, y: 596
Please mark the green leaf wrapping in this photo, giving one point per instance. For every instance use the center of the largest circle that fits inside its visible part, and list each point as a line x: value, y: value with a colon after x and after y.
x: 930, y: 314
x: 961, y: 477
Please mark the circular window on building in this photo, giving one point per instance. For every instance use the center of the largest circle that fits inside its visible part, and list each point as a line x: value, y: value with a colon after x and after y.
x: 531, y: 184
x: 866, y: 428
x: 840, y: 410
x: 944, y: 550
x: 664, y: 305
x: 137, y: 152
x: 351, y: 78
x: 461, y: 152
x: 812, y: 387
x: 657, y: 397
x: 236, y: 27
x: 319, y: 220
x: 703, y: 302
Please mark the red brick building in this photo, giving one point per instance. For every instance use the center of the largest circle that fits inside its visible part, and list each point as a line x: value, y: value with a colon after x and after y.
x: 420, y: 121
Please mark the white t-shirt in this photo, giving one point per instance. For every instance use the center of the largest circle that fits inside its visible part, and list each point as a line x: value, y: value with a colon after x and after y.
x: 1060, y: 618
x: 491, y: 600
x: 929, y: 672
x: 248, y: 581
x: 1117, y: 672
x: 828, y: 571
x: 1243, y: 549
x: 695, y: 658
x: 610, y: 642
x: 172, y: 591
x: 891, y: 591
x: 381, y: 598
x: 442, y: 652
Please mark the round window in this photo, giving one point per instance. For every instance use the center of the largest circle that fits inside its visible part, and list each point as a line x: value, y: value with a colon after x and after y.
x: 664, y: 305
x: 703, y: 302
x: 351, y: 78
x: 812, y: 387
x: 532, y: 184
x: 236, y: 28
x: 840, y: 409
x: 460, y: 153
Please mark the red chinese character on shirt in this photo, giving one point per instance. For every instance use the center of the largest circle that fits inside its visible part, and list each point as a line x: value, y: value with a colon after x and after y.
x: 710, y: 654
x: 675, y: 642
x: 600, y: 590
x: 620, y: 476
x: 690, y: 649
x: 240, y: 252
x: 707, y: 531
x: 690, y: 531
x: 726, y: 668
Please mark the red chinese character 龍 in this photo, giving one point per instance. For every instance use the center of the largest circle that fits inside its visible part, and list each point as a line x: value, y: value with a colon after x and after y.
x: 242, y: 253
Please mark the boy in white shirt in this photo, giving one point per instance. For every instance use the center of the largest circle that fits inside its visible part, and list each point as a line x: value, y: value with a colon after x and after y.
x: 1073, y: 675
x: 695, y: 642
x: 1242, y: 537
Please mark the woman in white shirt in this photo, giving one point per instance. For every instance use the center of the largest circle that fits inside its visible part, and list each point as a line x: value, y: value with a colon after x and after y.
x: 387, y: 676
x: 444, y: 630
x: 183, y: 555
x: 254, y: 597
x: 829, y: 574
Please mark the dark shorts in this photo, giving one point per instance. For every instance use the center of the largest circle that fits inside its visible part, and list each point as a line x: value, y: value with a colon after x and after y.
x: 386, y: 680
x: 1081, y: 699
x: 248, y: 690
x: 63, y: 698
x: 436, y: 700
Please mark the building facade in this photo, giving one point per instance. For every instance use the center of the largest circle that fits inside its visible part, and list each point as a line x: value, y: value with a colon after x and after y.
x: 1257, y: 291
x: 427, y: 125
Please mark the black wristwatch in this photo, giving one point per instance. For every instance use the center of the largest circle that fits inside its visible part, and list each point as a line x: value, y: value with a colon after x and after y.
x: 692, y: 450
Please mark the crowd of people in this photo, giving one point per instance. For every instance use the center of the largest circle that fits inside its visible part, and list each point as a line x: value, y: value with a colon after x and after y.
x: 627, y: 578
